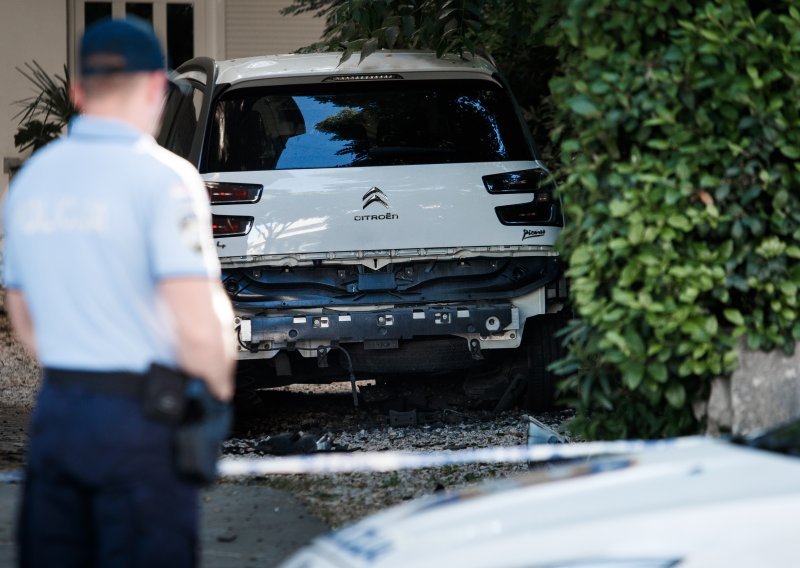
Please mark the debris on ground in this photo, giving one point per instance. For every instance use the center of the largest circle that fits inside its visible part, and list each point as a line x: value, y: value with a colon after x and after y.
x: 443, y: 419
x: 539, y: 433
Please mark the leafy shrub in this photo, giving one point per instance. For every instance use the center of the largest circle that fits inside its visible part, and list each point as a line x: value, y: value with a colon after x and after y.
x: 679, y: 129
x: 45, y: 114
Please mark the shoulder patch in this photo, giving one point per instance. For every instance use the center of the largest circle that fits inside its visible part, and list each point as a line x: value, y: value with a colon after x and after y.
x: 186, y: 217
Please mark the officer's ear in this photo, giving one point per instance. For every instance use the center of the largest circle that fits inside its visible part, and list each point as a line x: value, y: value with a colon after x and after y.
x: 77, y: 94
x: 157, y: 87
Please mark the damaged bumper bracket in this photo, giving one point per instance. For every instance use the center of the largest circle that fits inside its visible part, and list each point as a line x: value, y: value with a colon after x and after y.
x: 382, y: 325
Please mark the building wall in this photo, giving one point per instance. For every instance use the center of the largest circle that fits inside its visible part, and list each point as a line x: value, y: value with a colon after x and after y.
x: 256, y: 27
x: 38, y: 30
x: 29, y: 30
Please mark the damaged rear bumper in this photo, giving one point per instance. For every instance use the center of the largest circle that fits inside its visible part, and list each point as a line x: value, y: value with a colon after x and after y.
x: 487, y: 325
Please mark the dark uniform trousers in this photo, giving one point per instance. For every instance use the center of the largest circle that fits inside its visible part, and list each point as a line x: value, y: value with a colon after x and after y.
x: 101, y: 488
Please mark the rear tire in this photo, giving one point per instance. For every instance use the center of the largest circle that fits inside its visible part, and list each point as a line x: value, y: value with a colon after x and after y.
x: 540, y: 347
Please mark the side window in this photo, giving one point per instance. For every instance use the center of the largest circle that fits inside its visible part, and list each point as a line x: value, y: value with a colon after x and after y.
x: 180, y: 118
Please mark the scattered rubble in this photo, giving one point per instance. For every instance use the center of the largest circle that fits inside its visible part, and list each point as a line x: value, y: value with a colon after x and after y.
x: 449, y: 422
x: 19, y: 372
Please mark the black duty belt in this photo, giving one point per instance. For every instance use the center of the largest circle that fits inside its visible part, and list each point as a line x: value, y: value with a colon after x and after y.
x: 106, y: 382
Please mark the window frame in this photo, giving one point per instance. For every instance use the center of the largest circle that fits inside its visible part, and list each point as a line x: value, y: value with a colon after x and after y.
x: 200, y: 73
x: 205, y: 27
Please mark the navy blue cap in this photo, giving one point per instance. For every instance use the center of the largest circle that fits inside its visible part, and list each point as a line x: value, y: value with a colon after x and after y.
x: 120, y: 46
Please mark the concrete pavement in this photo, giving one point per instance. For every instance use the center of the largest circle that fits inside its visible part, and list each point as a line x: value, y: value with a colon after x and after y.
x: 242, y: 525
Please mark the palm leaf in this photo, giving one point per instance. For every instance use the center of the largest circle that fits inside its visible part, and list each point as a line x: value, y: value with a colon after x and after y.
x: 44, y: 114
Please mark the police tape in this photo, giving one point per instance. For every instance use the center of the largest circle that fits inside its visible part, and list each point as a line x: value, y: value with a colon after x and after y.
x: 365, y: 462
x: 377, y: 462
x: 15, y: 476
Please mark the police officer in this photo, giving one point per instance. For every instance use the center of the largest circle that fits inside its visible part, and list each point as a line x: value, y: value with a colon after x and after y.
x: 110, y: 267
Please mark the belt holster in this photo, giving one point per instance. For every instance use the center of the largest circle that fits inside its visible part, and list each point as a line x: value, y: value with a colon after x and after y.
x: 164, y: 397
x: 202, y: 421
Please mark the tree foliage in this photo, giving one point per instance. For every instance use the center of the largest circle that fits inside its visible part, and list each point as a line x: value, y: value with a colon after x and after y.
x: 363, y: 26
x: 680, y: 137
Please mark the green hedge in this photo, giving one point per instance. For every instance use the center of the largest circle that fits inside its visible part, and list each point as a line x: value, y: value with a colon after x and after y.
x: 680, y: 141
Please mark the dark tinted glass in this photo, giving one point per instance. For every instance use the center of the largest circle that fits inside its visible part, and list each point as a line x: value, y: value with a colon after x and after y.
x: 363, y: 124
x: 95, y: 11
x: 179, y: 119
x: 143, y: 10
x: 180, y: 33
x: 784, y: 439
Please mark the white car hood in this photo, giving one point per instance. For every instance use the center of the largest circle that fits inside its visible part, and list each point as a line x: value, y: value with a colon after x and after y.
x: 710, y: 505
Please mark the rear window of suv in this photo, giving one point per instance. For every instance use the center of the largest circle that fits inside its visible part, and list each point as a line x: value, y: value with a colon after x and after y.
x: 363, y: 124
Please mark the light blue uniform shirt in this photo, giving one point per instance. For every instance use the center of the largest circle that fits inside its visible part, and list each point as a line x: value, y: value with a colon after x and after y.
x: 93, y: 222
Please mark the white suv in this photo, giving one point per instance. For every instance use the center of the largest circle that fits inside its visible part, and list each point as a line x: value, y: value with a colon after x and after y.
x: 392, y: 208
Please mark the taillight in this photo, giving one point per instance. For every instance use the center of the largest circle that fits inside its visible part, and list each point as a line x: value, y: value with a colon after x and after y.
x: 544, y: 207
x: 227, y: 193
x: 231, y: 225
